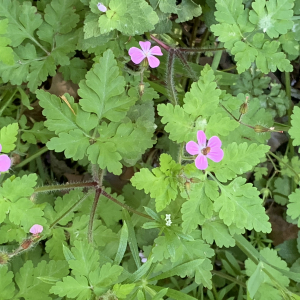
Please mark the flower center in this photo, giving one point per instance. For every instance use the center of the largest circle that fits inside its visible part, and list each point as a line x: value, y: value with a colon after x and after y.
x: 205, y: 151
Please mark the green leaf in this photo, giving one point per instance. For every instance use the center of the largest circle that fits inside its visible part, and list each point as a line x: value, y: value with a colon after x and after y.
x: 122, y: 290
x: 216, y: 231
x: 74, y: 144
x: 161, y: 183
x: 38, y: 133
x: 295, y: 122
x: 75, y: 71
x: 77, y: 287
x: 131, y: 17
x: 238, y: 159
x: 6, y: 52
x: 102, y: 278
x: 86, y: 259
x: 30, y: 286
x: 294, y: 206
x: 168, y: 6
x: 18, y: 188
x: 239, y: 204
x: 6, y: 285
x: 255, y: 280
x: 273, y: 17
x: 187, y: 10
x: 282, y: 190
x: 268, y: 284
x: 23, y: 20
x: 61, y: 16
x: 203, y: 98
x: 122, y: 244
x: 56, y: 244
x: 103, y: 90
x: 60, y: 118
x: 8, y: 137
x: 39, y: 71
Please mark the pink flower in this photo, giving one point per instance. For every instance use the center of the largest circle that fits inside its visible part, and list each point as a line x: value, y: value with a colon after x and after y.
x: 36, y: 229
x: 137, y: 55
x: 212, y: 150
x: 5, y: 162
x: 102, y: 7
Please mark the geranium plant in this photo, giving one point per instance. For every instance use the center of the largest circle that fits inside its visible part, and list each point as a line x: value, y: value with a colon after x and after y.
x: 149, y: 149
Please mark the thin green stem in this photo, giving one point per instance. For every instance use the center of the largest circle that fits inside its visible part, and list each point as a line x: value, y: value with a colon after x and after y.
x: 8, y: 102
x: 230, y: 278
x: 32, y: 157
x: 98, y: 175
x: 92, y: 215
x: 217, y: 59
x: 180, y: 153
x: 194, y: 31
x: 68, y: 186
x: 274, y: 166
x: 287, y: 165
x: 169, y: 78
x: 72, y: 208
x: 124, y: 205
x: 214, y: 290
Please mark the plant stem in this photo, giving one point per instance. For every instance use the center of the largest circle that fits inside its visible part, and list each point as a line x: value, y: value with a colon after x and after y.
x: 98, y: 175
x: 287, y: 165
x: 32, y: 157
x: 71, y: 209
x: 92, y: 215
x: 9, y: 101
x: 170, y: 76
x: 68, y: 186
x: 230, y: 278
x: 124, y: 205
x: 216, y: 60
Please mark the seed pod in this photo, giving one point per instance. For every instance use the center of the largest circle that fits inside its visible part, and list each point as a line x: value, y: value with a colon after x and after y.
x: 141, y: 89
x: 4, y: 258
x: 259, y: 128
x: 244, y: 108
x: 26, y: 243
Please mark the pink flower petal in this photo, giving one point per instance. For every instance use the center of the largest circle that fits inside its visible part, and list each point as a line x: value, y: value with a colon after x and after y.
x: 5, y: 163
x: 155, y: 51
x: 102, y: 7
x: 201, y: 162
x: 213, y: 142
x: 145, y: 46
x: 136, y: 54
x: 215, y: 154
x: 201, y: 138
x: 192, y: 148
x: 153, y: 61
x: 0, y: 147
x: 36, y: 229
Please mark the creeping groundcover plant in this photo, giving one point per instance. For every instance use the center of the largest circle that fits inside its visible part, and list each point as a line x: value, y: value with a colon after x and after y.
x: 149, y: 149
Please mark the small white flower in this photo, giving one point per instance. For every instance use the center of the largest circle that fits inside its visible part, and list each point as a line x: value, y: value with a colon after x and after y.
x: 168, y: 220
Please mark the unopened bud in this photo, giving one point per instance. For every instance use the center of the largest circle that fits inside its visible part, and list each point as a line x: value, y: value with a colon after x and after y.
x: 4, y: 258
x: 266, y: 192
x: 259, y: 128
x: 141, y: 89
x: 244, y: 108
x: 145, y: 63
x: 26, y: 243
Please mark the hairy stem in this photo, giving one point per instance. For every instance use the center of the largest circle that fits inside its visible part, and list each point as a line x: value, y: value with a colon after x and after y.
x: 92, y: 215
x: 186, y: 64
x: 68, y: 186
x: 216, y: 60
x: 170, y: 76
x: 124, y: 205
x: 72, y: 208
x: 228, y: 277
x: 32, y: 157
x: 8, y: 102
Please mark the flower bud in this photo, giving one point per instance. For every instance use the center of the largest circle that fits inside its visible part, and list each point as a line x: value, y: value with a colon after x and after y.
x: 141, y: 89
x: 26, y: 243
x: 4, y: 258
x: 259, y: 129
x: 244, y: 108
x: 145, y: 63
